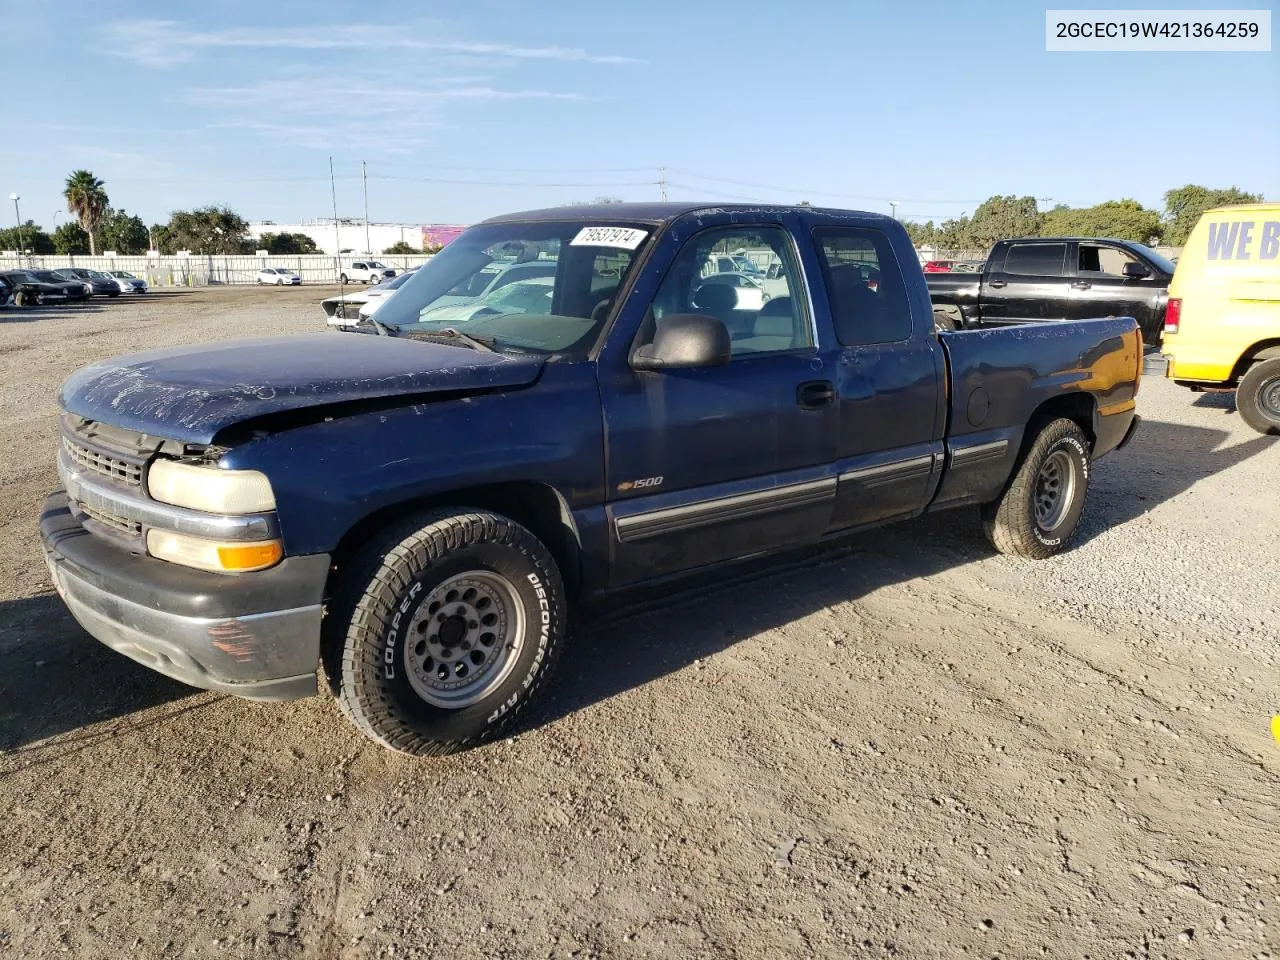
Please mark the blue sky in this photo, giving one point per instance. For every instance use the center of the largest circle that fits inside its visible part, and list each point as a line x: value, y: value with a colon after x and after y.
x: 936, y: 105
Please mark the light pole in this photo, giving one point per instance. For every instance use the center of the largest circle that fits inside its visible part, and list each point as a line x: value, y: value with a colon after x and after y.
x: 56, y: 215
x: 893, y: 209
x: 22, y: 243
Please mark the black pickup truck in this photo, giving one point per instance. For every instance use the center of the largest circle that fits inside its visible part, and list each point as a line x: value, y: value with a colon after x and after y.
x: 416, y: 508
x: 1046, y: 279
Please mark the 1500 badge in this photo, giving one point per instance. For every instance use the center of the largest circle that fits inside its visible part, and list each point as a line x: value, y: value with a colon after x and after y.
x: 628, y: 485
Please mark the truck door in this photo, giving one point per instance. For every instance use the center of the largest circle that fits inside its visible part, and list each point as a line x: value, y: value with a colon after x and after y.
x: 1028, y: 285
x: 712, y: 464
x: 1109, y: 281
x: 890, y: 377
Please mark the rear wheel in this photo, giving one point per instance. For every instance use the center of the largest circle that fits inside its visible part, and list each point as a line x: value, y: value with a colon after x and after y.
x: 343, y: 278
x: 1040, y: 509
x: 944, y: 320
x: 1258, y: 396
x: 444, y: 631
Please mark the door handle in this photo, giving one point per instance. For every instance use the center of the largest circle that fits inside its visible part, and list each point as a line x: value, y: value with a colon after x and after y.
x: 1082, y: 284
x: 995, y: 283
x: 815, y: 394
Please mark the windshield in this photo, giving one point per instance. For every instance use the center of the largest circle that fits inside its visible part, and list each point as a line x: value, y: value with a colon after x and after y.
x: 123, y: 275
x: 545, y: 287
x: 1164, y: 263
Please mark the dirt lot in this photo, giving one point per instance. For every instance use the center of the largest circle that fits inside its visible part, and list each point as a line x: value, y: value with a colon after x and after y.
x: 905, y: 746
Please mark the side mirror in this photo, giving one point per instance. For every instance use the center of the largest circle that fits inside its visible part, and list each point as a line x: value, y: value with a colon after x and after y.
x: 1136, y: 271
x: 683, y: 341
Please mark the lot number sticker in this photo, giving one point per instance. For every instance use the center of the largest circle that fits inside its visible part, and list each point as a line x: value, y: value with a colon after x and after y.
x: 627, y: 238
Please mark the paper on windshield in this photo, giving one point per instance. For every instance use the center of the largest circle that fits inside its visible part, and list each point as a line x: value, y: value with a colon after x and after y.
x: 625, y: 238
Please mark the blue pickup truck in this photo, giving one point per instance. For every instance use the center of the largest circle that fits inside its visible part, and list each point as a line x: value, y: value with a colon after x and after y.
x: 405, y: 516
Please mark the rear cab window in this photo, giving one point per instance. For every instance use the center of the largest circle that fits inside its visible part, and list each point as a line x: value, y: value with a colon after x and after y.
x: 1036, y: 259
x: 864, y: 285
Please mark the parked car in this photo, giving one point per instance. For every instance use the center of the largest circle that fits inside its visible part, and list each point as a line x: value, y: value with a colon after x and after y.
x: 278, y: 276
x: 379, y: 295
x: 938, y: 266
x: 967, y: 266
x: 1222, y: 322
x: 127, y: 282
x: 418, y: 508
x: 532, y: 295
x: 370, y: 271
x: 99, y: 283
x: 749, y: 293
x: 1051, y: 279
x: 76, y: 289
x: 29, y: 290
x: 347, y: 309
x: 6, y: 293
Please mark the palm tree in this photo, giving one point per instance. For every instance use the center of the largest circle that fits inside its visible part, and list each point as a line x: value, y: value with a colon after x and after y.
x: 88, y: 201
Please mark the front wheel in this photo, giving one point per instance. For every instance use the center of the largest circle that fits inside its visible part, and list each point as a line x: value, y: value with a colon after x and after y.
x: 343, y: 278
x: 1040, y: 509
x: 1258, y: 397
x: 444, y: 630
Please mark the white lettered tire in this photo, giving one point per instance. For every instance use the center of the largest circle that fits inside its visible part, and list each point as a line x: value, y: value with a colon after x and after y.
x: 444, y: 630
x: 1038, y: 513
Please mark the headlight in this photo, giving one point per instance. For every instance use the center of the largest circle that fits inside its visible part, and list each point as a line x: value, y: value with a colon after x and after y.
x: 210, y: 489
x: 213, y: 554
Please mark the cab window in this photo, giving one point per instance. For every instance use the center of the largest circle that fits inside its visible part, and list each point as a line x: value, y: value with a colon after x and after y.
x: 1103, y: 260
x: 864, y: 286
x: 758, y: 320
x: 1036, y: 259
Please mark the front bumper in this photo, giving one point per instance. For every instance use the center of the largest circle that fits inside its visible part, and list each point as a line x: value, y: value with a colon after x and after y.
x: 252, y: 635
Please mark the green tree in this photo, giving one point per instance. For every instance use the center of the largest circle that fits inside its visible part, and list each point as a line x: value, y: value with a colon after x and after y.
x: 280, y: 243
x: 998, y: 218
x: 162, y: 238
x: 401, y: 247
x: 30, y: 238
x: 122, y: 233
x: 1184, y: 205
x: 87, y: 199
x: 1120, y: 219
x: 70, y: 238
x: 212, y: 229
x: 921, y: 234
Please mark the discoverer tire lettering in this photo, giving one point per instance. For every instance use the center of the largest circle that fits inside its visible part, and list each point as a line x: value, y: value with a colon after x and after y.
x: 371, y: 639
x: 1012, y: 523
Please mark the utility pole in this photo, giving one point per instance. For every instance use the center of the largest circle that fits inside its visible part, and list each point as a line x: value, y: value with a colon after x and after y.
x: 22, y: 243
x: 662, y: 182
x: 364, y: 175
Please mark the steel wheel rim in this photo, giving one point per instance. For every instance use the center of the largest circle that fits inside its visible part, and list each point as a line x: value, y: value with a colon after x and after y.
x: 1055, y: 490
x: 1269, y: 398
x: 464, y: 639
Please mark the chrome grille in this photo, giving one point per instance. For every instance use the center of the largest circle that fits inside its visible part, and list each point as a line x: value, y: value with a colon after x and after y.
x: 121, y: 524
x: 112, y: 468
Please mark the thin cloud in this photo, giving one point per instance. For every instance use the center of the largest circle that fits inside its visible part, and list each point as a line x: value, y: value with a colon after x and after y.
x: 166, y: 43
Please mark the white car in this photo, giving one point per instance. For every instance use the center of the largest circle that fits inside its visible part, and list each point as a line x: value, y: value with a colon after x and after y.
x: 749, y: 291
x: 278, y: 276
x: 127, y: 282
x: 348, y: 309
x: 370, y: 271
x: 524, y: 296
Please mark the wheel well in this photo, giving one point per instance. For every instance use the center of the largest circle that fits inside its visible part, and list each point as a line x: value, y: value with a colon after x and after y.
x: 536, y: 506
x: 1262, y: 350
x: 1073, y: 406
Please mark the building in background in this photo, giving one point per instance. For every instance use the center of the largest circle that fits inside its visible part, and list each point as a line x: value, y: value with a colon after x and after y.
x: 440, y: 233
x: 349, y: 236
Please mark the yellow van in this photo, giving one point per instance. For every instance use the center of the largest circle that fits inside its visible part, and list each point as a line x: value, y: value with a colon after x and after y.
x: 1222, y: 325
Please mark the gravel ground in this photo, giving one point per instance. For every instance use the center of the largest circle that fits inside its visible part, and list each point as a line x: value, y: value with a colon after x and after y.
x: 906, y: 745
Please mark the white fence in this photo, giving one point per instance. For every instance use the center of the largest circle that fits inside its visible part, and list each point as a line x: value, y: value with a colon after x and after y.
x: 200, y: 271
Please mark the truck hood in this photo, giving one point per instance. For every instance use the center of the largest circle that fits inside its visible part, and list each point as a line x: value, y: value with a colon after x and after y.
x: 192, y: 393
